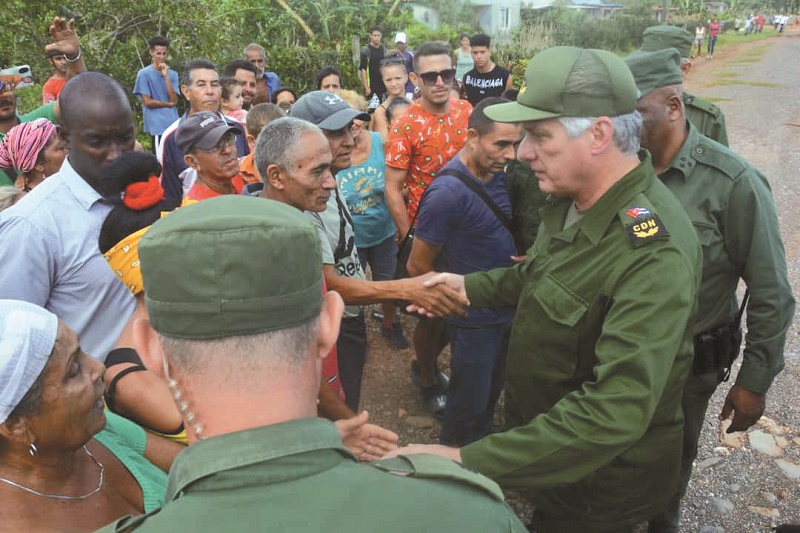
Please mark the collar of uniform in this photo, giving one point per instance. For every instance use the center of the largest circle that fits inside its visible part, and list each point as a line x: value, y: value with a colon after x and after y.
x: 82, y: 191
x: 250, y: 447
x: 596, y: 220
x: 684, y: 161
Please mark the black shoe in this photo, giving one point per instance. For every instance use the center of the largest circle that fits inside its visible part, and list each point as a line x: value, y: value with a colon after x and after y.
x: 433, y: 400
x: 442, y: 379
x: 395, y: 335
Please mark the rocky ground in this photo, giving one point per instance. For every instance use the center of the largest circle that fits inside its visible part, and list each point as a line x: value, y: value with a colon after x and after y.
x: 748, y: 482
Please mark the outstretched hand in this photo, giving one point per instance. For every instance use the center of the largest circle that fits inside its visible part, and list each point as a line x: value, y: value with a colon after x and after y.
x: 65, y: 38
x: 367, y: 442
x: 746, y: 406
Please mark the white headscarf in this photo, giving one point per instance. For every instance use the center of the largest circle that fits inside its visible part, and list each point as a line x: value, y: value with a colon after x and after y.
x: 27, y: 336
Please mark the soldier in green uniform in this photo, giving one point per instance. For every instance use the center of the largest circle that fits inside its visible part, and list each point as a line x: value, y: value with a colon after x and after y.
x: 734, y: 215
x: 239, y: 325
x: 601, y: 343
x: 705, y: 116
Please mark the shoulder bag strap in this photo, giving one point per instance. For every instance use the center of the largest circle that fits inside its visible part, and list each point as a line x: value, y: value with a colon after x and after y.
x: 477, y: 189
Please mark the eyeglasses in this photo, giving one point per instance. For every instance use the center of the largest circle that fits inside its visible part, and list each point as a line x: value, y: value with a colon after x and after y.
x: 430, y: 78
x: 286, y: 106
x: 226, y: 142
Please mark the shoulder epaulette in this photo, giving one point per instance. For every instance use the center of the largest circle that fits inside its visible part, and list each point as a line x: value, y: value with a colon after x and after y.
x: 701, y: 104
x: 425, y: 466
x: 715, y: 155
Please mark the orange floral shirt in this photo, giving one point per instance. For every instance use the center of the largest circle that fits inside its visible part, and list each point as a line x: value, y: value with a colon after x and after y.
x: 421, y: 143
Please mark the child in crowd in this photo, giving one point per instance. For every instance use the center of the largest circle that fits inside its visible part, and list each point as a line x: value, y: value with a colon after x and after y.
x: 232, y: 99
x: 393, y: 70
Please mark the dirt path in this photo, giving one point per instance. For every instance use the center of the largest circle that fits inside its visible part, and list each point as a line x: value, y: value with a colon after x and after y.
x: 757, y: 86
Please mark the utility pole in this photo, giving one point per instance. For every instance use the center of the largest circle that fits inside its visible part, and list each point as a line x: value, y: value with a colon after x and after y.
x: 665, y: 12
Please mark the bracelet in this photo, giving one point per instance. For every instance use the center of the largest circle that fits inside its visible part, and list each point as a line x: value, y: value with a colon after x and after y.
x: 77, y: 57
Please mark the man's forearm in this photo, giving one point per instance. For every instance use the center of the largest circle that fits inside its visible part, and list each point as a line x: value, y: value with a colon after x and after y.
x: 170, y: 90
x: 397, y: 208
x: 364, y: 81
x: 360, y: 291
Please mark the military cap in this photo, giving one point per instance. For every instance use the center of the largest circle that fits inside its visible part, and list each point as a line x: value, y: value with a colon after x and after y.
x: 652, y: 70
x: 565, y: 81
x: 231, y: 265
x: 657, y: 38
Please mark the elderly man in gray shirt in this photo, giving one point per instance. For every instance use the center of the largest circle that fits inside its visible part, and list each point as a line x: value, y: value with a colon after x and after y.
x: 48, y: 240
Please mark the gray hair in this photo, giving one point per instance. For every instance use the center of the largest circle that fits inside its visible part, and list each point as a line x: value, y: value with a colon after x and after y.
x: 627, y: 130
x: 247, y: 354
x: 277, y: 143
x: 254, y: 46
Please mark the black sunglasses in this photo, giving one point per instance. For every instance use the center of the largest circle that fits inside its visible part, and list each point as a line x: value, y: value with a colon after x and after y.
x: 429, y: 78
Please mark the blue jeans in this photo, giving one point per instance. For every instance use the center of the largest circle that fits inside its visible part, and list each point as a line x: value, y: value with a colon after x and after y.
x: 477, y: 376
x: 382, y: 259
x: 712, y: 43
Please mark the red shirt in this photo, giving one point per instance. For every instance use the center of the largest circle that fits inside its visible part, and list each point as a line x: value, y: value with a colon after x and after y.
x: 421, y: 143
x: 52, y: 88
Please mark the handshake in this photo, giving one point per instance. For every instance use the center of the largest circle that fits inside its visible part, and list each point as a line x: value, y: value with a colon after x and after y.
x: 435, y: 295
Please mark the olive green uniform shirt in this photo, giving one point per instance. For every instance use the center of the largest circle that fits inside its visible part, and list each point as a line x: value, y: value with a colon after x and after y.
x: 732, y: 209
x: 600, y: 349
x: 706, y: 117
x: 297, y: 476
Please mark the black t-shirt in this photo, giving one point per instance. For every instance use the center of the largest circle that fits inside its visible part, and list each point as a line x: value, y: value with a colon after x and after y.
x: 371, y: 62
x: 480, y: 85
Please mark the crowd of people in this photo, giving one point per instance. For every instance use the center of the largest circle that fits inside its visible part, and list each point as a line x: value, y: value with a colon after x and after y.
x: 183, y: 336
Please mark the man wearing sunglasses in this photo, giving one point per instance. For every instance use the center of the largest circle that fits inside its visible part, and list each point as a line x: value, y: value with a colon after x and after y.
x: 428, y: 135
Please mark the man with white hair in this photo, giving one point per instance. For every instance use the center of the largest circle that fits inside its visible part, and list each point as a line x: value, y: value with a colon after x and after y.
x: 601, y: 343
x: 266, y: 82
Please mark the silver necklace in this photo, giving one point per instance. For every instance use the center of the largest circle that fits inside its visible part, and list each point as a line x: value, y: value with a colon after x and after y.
x: 59, y: 496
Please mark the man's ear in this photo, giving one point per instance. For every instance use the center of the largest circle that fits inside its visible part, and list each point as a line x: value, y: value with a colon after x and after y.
x: 251, y: 142
x: 148, y: 346
x: 191, y: 160
x: 415, y: 79
x: 330, y: 319
x: 185, y: 91
x: 602, y: 134
x: 62, y: 132
x: 274, y: 178
x: 675, y: 106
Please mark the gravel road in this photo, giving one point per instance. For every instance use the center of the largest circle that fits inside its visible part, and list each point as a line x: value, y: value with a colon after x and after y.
x: 752, y: 483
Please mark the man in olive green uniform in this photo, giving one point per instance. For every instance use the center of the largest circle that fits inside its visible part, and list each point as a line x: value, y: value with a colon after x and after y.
x: 601, y: 343
x: 733, y: 212
x: 239, y: 324
x: 704, y: 115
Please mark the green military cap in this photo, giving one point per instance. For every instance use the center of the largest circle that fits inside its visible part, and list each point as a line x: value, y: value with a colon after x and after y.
x: 652, y: 70
x: 231, y: 265
x: 565, y: 81
x: 657, y: 38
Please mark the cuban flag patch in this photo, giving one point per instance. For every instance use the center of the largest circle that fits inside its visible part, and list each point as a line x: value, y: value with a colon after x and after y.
x: 637, y: 212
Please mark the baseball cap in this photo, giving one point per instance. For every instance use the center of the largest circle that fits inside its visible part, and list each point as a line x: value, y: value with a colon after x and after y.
x: 326, y: 110
x: 565, y: 81
x: 401, y: 37
x: 202, y: 130
x: 652, y: 70
x: 231, y: 265
x: 657, y: 38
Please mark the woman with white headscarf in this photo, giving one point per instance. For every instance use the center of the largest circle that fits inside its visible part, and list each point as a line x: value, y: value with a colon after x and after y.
x: 65, y: 465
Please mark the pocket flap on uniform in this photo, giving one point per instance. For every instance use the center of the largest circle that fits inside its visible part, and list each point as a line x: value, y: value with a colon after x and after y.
x: 559, y: 302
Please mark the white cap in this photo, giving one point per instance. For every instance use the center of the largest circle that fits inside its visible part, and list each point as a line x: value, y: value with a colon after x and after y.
x: 27, y: 336
x: 401, y: 38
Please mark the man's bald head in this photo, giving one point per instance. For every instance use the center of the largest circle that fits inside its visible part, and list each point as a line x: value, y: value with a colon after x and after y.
x: 90, y: 92
x: 97, y: 124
